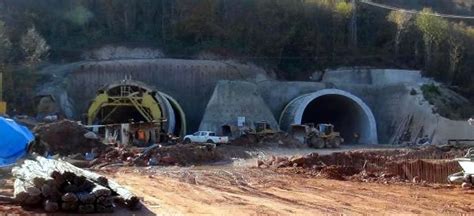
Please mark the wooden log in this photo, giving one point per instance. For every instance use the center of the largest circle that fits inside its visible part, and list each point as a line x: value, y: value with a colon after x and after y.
x: 127, y: 197
x: 58, y: 178
x: 103, y: 209
x: 69, y: 206
x: 101, y: 191
x: 33, y: 200
x: 50, y: 206
x: 26, y: 193
x: 70, y: 188
x: 62, y: 176
x: 29, y: 175
x: 86, y: 198
x: 87, y: 186
x: 86, y: 208
x: 69, y: 197
x: 20, y: 193
x: 50, y: 191
x: 7, y: 199
x: 79, y: 180
x: 70, y: 177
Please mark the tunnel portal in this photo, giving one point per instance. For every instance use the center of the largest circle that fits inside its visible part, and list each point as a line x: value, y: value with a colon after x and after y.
x: 132, y: 101
x: 348, y: 113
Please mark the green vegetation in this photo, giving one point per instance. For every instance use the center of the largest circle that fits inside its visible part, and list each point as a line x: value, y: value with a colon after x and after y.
x: 292, y: 37
x: 430, y: 90
x: 447, y: 103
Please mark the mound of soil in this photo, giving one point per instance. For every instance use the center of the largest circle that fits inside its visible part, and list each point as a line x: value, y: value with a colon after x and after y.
x: 337, y: 172
x: 65, y: 137
x: 427, y: 164
x: 179, y: 154
x: 187, y: 154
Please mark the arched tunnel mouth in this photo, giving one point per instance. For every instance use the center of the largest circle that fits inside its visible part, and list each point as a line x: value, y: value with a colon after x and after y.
x: 134, y: 102
x: 347, y: 116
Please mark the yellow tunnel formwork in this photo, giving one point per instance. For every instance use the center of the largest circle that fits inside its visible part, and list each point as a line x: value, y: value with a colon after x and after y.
x: 145, y: 104
x: 114, y: 103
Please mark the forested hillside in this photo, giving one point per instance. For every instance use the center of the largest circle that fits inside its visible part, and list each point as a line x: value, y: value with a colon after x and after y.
x: 292, y: 37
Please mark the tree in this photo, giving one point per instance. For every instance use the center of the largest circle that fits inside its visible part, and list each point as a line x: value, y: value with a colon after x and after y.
x: 5, y: 44
x: 456, y: 41
x: 5, y: 47
x: 340, y: 28
x: 34, y: 47
x: 434, y: 31
x: 402, y: 20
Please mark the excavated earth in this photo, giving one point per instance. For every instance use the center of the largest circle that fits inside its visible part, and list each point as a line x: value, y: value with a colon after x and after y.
x: 64, y: 137
x: 343, y: 182
x: 429, y: 164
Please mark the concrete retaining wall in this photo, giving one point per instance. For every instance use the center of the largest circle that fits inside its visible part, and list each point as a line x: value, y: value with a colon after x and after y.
x: 190, y: 82
x: 232, y: 99
x: 372, y: 76
x: 193, y: 82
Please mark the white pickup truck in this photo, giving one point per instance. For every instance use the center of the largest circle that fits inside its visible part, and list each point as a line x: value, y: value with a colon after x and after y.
x: 205, y: 137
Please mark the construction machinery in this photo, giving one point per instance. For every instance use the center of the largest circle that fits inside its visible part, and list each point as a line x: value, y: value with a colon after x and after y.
x: 319, y: 136
x: 130, y: 101
x: 3, y: 104
x: 262, y: 130
x: 467, y: 164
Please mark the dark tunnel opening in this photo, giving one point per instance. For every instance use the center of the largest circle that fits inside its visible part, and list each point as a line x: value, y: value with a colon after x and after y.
x: 118, y: 114
x: 344, y: 113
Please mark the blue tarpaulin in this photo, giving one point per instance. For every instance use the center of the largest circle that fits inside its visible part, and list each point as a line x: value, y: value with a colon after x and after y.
x: 14, y: 141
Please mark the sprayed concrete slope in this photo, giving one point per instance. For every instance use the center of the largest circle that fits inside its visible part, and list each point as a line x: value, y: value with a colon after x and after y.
x: 232, y: 99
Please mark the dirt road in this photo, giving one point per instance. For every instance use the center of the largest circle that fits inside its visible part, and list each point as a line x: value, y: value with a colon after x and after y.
x: 252, y: 191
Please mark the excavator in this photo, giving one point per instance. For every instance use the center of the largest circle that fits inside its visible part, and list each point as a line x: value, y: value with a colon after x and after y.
x: 319, y: 136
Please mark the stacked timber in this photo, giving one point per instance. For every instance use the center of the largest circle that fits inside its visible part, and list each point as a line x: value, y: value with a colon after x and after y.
x: 59, y: 186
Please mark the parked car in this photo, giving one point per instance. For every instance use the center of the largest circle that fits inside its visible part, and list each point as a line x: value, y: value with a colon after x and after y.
x: 205, y: 137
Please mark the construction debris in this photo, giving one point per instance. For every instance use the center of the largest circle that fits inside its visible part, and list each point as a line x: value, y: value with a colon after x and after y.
x: 409, y: 165
x: 59, y: 186
x: 180, y: 154
x: 65, y: 137
x: 278, y: 139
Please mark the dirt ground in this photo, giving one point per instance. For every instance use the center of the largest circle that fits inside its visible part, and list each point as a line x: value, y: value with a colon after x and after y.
x: 253, y: 191
x: 239, y: 188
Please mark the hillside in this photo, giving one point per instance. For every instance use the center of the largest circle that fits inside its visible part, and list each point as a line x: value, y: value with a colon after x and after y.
x: 461, y: 7
x: 292, y: 38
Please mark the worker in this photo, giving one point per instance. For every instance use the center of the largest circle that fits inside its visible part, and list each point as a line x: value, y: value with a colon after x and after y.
x: 141, y: 134
x: 356, y: 137
x: 141, y: 138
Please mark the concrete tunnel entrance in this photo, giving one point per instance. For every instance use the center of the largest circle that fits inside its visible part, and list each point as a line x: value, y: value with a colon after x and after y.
x: 133, y: 101
x: 348, y: 113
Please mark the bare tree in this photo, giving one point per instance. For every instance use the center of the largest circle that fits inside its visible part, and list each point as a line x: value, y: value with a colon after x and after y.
x: 434, y: 29
x: 402, y: 20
